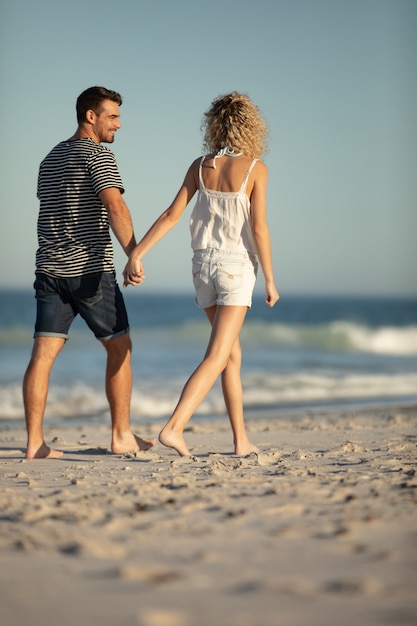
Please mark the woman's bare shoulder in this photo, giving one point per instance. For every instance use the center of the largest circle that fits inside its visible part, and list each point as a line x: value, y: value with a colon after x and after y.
x: 260, y: 171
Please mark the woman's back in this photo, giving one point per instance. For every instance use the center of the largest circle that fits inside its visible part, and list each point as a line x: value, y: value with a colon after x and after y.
x: 228, y: 175
x: 221, y: 218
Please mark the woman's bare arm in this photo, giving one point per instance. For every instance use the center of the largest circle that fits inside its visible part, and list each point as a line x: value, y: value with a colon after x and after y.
x: 165, y: 222
x: 261, y: 231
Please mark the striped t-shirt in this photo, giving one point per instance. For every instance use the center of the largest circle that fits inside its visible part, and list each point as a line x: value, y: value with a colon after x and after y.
x: 73, y: 226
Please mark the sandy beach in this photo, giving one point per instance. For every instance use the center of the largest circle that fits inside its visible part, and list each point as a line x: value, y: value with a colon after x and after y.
x: 319, y: 528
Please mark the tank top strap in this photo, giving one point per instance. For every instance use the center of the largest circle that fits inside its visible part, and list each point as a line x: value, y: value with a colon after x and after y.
x: 200, y: 175
x: 245, y: 180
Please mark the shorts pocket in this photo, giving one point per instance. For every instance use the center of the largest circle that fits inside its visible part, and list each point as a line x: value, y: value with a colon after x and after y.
x: 44, y: 284
x: 39, y: 284
x: 89, y: 289
x: 197, y: 274
x: 229, y: 276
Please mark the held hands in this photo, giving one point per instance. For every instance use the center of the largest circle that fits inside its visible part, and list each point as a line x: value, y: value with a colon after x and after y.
x: 133, y: 273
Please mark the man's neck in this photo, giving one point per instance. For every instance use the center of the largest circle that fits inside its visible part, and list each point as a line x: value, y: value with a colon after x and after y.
x: 84, y: 133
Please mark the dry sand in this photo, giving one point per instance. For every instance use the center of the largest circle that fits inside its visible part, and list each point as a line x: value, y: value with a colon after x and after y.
x: 319, y: 529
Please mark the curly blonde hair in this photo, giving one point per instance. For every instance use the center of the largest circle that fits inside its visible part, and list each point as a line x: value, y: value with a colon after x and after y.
x: 234, y: 120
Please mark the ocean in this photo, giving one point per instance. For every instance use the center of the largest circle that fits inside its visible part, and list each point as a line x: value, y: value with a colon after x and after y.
x: 307, y: 353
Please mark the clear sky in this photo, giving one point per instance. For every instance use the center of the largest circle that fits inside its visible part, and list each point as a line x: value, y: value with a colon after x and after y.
x: 335, y: 79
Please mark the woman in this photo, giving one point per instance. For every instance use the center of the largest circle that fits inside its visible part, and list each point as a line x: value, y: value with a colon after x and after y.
x: 229, y: 234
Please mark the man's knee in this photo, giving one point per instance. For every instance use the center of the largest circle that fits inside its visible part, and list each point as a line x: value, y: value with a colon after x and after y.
x: 47, y: 348
x: 118, y: 345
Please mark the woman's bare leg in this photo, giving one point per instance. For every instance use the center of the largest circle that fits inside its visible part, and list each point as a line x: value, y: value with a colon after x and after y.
x: 227, y: 322
x: 233, y: 396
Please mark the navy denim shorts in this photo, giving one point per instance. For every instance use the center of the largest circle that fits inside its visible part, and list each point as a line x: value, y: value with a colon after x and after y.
x: 96, y: 297
x: 224, y: 277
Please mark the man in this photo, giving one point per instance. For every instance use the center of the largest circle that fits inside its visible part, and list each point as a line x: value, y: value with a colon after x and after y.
x: 80, y: 194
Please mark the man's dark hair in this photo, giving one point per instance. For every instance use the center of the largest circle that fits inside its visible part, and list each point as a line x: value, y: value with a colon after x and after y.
x: 91, y: 99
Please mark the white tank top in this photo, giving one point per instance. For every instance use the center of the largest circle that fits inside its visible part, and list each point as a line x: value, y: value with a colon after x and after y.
x: 222, y: 219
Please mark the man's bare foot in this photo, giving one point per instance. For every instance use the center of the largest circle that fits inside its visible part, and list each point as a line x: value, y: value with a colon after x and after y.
x: 43, y: 452
x: 174, y: 440
x: 245, y: 449
x: 131, y: 443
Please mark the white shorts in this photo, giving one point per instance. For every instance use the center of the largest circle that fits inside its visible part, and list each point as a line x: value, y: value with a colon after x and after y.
x: 224, y: 277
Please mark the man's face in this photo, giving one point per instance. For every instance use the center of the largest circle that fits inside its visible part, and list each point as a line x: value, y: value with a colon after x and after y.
x: 107, y: 122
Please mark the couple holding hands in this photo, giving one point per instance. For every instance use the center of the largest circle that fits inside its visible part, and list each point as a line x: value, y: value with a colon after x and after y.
x: 80, y: 195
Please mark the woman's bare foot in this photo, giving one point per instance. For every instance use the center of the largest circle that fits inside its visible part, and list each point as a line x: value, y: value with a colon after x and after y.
x: 43, y: 452
x: 243, y: 449
x: 170, y: 439
x: 131, y: 443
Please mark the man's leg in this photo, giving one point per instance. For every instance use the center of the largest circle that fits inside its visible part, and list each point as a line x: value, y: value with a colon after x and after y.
x: 119, y: 391
x: 35, y: 393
